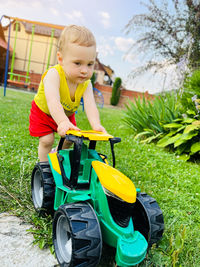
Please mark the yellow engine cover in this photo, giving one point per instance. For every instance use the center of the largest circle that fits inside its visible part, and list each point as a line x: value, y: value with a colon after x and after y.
x: 115, y: 181
x: 91, y: 135
x: 54, y: 161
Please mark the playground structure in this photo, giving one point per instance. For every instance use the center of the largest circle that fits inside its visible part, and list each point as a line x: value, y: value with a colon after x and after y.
x: 31, y: 41
x: 34, y: 47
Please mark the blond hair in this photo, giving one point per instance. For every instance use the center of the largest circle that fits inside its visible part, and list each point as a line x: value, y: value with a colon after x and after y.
x: 75, y: 34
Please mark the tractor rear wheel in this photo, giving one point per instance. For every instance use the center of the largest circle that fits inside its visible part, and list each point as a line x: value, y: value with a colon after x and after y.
x: 43, y: 188
x: 148, y: 218
x: 77, y: 236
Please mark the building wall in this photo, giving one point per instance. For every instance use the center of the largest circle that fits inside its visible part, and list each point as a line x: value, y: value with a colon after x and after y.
x: 100, y: 76
x: 40, y: 50
x: 125, y: 96
x: 2, y: 63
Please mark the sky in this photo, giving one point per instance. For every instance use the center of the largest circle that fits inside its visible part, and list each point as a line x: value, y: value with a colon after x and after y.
x: 107, y: 20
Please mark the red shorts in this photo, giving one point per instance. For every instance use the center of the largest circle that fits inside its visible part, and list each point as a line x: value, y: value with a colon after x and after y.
x: 42, y: 124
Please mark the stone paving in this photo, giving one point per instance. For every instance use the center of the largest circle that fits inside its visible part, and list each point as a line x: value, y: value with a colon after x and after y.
x: 16, y: 248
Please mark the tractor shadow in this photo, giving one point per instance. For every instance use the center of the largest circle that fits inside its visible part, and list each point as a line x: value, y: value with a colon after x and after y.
x: 107, y: 257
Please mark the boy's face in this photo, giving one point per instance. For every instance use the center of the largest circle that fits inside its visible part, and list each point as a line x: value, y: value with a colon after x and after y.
x: 78, y: 62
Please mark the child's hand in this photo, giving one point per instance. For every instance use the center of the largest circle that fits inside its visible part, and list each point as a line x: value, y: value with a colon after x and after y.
x: 99, y: 128
x: 64, y: 126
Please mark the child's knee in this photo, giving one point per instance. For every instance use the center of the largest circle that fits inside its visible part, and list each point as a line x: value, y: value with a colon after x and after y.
x: 67, y: 144
x: 47, y: 140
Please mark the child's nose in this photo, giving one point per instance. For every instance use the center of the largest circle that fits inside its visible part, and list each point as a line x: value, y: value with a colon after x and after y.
x: 84, y: 70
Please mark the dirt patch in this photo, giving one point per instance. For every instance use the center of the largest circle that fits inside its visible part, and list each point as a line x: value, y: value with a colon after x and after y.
x: 16, y: 248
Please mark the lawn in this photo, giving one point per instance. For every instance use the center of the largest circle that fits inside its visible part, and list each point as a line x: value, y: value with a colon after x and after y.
x: 173, y: 183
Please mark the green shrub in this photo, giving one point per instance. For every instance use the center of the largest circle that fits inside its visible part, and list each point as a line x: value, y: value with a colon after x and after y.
x: 190, y: 91
x: 146, y: 118
x: 183, y: 137
x: 93, y: 78
x: 161, y: 121
x: 116, y: 91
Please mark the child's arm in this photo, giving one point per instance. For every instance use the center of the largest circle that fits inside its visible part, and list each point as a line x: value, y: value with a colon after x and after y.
x: 51, y: 89
x: 91, y: 110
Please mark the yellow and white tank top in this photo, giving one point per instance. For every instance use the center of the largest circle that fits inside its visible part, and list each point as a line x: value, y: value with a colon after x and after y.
x: 69, y: 106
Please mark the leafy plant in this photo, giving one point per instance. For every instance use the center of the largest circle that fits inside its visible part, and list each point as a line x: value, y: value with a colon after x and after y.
x: 146, y: 118
x: 176, y: 245
x: 42, y: 232
x: 190, y: 92
x: 183, y: 137
x: 171, y: 254
x: 116, y: 91
x: 93, y: 78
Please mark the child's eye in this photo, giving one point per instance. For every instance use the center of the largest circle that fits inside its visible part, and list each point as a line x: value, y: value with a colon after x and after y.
x: 90, y: 64
x: 77, y: 63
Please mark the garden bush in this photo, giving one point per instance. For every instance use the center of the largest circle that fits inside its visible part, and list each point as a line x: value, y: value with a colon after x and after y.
x: 116, y: 91
x: 161, y: 121
x: 93, y: 79
x: 183, y: 137
x: 146, y: 118
x: 190, y: 91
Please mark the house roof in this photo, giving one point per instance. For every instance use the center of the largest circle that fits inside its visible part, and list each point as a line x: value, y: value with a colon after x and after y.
x: 40, y: 27
x: 108, y: 70
x: 3, y: 42
x: 100, y: 66
x: 4, y: 45
x: 2, y: 33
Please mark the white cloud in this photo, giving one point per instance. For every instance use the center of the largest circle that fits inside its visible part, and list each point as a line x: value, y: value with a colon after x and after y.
x: 105, y: 19
x: 14, y: 4
x: 105, y: 15
x: 54, y: 11
x: 104, y: 50
x: 164, y: 80
x: 36, y: 4
x: 20, y: 4
x: 123, y: 44
x: 75, y: 16
x: 131, y: 58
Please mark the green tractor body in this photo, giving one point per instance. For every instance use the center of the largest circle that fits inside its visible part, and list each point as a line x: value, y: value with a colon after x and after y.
x: 125, y: 219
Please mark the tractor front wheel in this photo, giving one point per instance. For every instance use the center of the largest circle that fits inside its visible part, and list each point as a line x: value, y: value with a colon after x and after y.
x: 148, y: 218
x: 77, y: 236
x: 43, y: 188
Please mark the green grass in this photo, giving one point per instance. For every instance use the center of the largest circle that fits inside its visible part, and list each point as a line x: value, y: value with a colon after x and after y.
x: 173, y: 183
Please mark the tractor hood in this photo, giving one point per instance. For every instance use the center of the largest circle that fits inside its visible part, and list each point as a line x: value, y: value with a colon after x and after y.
x: 115, y: 181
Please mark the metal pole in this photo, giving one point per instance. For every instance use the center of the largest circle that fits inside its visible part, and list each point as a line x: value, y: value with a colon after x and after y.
x: 30, y: 51
x: 13, y: 55
x: 50, y: 48
x: 7, y: 60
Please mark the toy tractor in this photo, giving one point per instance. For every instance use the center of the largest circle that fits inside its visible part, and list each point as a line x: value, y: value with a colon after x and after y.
x: 93, y: 202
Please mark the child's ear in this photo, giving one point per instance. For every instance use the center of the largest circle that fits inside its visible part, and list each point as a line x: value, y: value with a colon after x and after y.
x: 60, y: 58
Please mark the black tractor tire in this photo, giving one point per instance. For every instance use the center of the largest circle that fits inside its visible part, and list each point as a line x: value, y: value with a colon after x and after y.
x: 148, y: 218
x: 43, y: 189
x: 77, y: 235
